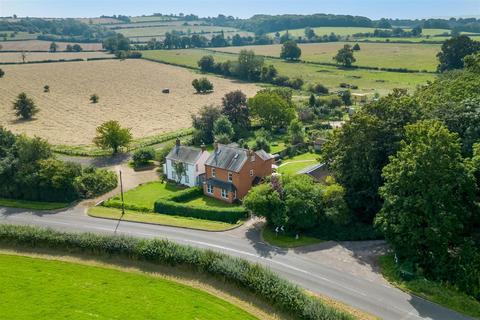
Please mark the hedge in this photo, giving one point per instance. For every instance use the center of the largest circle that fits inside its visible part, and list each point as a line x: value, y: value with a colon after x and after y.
x: 256, y: 279
x: 174, y: 206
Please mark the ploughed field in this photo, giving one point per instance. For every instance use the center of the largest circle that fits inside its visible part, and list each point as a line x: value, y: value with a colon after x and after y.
x: 382, y: 55
x: 130, y: 91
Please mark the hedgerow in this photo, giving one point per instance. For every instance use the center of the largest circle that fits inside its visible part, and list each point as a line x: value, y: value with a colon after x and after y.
x: 175, y: 205
x: 256, y: 279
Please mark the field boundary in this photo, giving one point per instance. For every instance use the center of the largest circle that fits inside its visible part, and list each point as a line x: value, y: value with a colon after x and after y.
x: 93, y: 151
x: 56, y: 61
x: 397, y: 70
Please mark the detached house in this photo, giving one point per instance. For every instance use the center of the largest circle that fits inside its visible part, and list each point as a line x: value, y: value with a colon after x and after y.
x: 230, y: 171
x: 190, y: 159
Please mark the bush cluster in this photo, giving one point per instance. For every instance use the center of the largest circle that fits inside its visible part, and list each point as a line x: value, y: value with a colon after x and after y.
x: 175, y: 205
x: 256, y: 279
x: 143, y: 156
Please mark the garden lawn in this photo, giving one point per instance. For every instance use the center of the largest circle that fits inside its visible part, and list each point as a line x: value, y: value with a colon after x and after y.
x: 144, y: 196
x: 34, y: 205
x: 205, y: 202
x: 295, y: 164
x: 287, y: 241
x: 430, y: 290
x: 161, y: 219
x: 65, y: 290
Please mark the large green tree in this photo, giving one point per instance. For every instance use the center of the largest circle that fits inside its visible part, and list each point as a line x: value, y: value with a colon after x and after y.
x: 234, y: 106
x: 345, y: 56
x: 290, y: 51
x: 203, y: 124
x: 430, y: 206
x: 271, y: 110
x: 24, y: 107
x: 110, y: 135
x: 358, y: 151
x: 249, y: 66
x: 454, y: 50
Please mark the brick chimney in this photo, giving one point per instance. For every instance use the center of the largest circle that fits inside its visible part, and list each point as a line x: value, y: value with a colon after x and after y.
x: 177, y: 145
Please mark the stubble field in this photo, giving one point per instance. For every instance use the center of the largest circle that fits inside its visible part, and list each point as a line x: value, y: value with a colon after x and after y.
x: 130, y: 91
x: 41, y: 56
x: 40, y: 45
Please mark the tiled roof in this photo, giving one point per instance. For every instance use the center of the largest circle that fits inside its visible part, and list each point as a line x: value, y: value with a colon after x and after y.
x: 263, y: 155
x: 184, y: 154
x: 228, y: 158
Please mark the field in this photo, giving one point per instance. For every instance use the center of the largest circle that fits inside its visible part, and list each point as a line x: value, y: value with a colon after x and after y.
x: 320, y: 31
x: 21, y: 35
x: 368, y: 81
x: 385, y: 55
x: 151, y: 18
x: 162, y: 30
x: 295, y: 164
x: 40, y: 56
x: 39, y: 45
x: 98, y: 20
x: 130, y: 91
x: 75, y: 291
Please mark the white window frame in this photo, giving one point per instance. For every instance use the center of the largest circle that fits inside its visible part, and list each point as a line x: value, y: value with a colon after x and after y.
x: 230, y: 176
x: 224, y: 193
x: 209, y: 189
x: 251, y: 173
x: 214, y: 174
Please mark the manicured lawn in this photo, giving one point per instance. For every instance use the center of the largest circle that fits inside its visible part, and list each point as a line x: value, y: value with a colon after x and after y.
x: 287, y: 241
x: 208, y: 202
x: 34, y: 288
x: 144, y: 196
x: 162, y: 219
x: 34, y: 205
x: 295, y: 164
x: 430, y: 290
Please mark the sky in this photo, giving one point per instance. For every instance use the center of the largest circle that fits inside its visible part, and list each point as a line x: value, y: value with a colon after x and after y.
x: 374, y: 9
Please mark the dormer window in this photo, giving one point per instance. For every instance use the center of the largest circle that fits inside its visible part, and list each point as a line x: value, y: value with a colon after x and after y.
x: 213, y: 172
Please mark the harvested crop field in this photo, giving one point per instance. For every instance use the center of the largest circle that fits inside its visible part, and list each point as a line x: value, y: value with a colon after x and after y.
x: 130, y: 91
x: 40, y: 45
x: 42, y: 56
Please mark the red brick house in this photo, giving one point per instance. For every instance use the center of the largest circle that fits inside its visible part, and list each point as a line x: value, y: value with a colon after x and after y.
x: 230, y: 171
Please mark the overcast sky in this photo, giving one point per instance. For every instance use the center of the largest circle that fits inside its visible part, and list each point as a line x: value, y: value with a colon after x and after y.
x: 242, y: 8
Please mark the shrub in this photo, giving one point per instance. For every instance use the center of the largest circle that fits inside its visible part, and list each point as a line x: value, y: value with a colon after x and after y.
x: 134, y: 55
x: 174, y: 206
x: 94, y: 98
x: 24, y: 107
x: 318, y: 88
x: 94, y: 182
x: 256, y: 279
x: 295, y: 83
x: 143, y: 156
x: 46, y: 88
x: 202, y: 85
x: 161, y: 153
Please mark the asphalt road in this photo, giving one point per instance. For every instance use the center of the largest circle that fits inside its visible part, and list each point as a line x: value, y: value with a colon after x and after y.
x: 375, y: 297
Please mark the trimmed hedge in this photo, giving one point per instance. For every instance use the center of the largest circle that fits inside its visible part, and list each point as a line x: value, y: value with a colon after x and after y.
x: 256, y: 279
x: 174, y: 206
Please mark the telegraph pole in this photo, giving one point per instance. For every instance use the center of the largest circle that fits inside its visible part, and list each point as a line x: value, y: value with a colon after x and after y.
x: 121, y: 192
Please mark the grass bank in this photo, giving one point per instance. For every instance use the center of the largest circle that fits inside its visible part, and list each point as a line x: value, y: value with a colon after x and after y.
x: 161, y: 219
x: 34, y: 205
x: 75, y: 291
x: 253, y: 278
x: 434, y: 291
x: 287, y: 241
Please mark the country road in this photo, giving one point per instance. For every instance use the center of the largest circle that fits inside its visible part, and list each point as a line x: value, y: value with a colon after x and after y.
x: 315, y: 268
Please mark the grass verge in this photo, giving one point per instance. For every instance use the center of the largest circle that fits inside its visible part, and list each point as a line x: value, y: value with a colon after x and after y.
x: 161, y: 219
x: 66, y: 290
x: 34, y: 205
x: 287, y: 241
x: 434, y: 291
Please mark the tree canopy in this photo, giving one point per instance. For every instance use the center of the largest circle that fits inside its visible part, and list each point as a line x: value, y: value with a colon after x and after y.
x: 290, y: 51
x: 271, y: 110
x: 110, y: 135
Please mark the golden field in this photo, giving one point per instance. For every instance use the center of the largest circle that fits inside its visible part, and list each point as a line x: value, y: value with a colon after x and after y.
x: 40, y: 45
x: 41, y: 56
x: 130, y: 91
